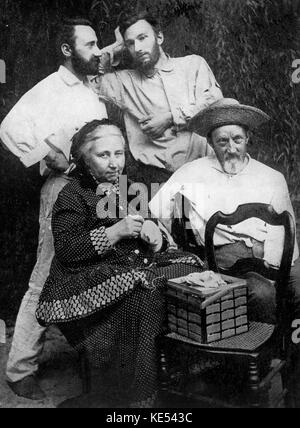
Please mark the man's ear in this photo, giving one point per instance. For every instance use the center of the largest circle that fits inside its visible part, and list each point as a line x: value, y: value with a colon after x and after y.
x: 66, y: 50
x: 248, y: 136
x: 160, y: 38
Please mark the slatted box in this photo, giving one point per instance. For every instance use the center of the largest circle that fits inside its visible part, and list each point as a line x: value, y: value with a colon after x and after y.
x: 208, y: 316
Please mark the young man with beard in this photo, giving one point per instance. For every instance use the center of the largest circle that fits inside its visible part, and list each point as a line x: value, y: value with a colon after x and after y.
x: 159, y: 95
x: 40, y: 128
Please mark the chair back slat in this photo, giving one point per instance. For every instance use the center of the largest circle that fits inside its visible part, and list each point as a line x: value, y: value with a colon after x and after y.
x: 268, y: 215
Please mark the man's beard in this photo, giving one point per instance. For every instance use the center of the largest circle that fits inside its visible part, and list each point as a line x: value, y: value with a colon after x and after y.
x: 83, y: 67
x: 233, y: 164
x: 149, y: 62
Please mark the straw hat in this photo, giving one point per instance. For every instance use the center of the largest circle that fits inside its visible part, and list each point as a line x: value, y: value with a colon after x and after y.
x: 227, y: 111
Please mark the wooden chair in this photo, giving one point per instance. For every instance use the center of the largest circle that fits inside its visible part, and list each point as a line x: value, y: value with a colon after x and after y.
x: 85, y: 373
x: 181, y: 232
x: 263, y: 342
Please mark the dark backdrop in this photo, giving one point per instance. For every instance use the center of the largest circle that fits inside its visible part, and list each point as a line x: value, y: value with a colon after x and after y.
x: 250, y: 45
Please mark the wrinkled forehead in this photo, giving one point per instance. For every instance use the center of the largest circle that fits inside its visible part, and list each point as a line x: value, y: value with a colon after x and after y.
x: 104, y: 132
x: 84, y: 34
x: 140, y: 27
x: 104, y: 138
x: 229, y: 131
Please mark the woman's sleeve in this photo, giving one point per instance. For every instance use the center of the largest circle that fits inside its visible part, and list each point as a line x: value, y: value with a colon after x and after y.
x: 74, y: 241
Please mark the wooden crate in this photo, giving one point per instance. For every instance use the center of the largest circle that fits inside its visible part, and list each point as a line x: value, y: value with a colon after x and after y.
x: 208, y: 316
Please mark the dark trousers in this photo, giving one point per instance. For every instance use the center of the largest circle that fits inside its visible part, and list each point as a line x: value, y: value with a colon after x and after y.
x: 146, y: 174
x: 262, y: 294
x: 262, y: 301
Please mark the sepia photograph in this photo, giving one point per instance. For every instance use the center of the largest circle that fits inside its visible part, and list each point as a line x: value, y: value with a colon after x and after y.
x: 150, y: 206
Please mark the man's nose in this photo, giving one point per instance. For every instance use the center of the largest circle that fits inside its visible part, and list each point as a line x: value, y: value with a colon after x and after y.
x: 232, y: 147
x: 97, y: 51
x: 137, y: 46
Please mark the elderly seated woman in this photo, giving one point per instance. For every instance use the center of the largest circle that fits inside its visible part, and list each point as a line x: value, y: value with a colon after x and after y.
x: 105, y: 289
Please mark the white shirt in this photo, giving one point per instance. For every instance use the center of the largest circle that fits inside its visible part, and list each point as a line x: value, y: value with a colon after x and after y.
x: 182, y: 86
x: 49, y: 115
x: 209, y: 190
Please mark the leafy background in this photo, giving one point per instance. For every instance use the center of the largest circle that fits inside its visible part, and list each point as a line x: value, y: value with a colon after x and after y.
x: 250, y: 45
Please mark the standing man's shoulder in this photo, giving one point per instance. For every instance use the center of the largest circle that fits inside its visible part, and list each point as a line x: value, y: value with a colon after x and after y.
x: 33, y: 99
x: 39, y: 90
x: 124, y: 76
x: 190, y: 61
x: 112, y: 84
x: 111, y: 76
x: 46, y: 82
x: 108, y: 81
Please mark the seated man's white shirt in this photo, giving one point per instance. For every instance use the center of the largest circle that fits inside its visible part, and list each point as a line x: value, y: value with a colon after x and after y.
x: 49, y: 115
x: 182, y: 86
x: 209, y: 190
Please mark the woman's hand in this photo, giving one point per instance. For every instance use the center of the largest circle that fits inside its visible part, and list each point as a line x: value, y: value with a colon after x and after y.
x: 129, y: 227
x: 151, y: 234
x: 56, y: 161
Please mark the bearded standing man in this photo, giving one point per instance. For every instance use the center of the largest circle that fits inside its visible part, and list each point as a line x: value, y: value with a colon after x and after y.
x: 40, y: 128
x: 159, y: 95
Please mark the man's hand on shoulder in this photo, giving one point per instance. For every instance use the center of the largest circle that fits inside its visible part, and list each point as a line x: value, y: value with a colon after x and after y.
x: 155, y: 125
x: 56, y: 161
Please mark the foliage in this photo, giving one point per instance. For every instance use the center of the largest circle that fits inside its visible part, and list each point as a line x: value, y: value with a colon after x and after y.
x: 249, y: 44
x: 255, y: 47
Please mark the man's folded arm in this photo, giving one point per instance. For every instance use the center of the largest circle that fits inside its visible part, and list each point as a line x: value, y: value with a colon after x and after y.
x: 18, y: 136
x: 204, y: 91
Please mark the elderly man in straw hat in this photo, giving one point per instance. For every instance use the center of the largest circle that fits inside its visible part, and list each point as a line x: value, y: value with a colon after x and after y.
x: 226, y: 180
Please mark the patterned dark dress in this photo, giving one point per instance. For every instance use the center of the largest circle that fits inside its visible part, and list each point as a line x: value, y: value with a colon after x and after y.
x: 108, y: 300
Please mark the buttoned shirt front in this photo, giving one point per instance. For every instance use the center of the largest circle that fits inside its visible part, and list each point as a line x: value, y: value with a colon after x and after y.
x: 209, y: 190
x: 182, y: 86
x: 49, y: 115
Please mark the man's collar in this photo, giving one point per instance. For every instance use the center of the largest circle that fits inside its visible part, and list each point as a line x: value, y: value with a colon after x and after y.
x: 167, y: 65
x: 68, y: 77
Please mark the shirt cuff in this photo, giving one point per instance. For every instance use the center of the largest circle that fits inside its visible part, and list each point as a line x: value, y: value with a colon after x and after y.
x: 36, y: 155
x: 100, y: 241
x: 178, y: 118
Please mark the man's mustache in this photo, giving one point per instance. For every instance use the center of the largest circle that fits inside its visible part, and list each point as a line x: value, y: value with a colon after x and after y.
x: 142, y: 55
x: 233, y: 157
